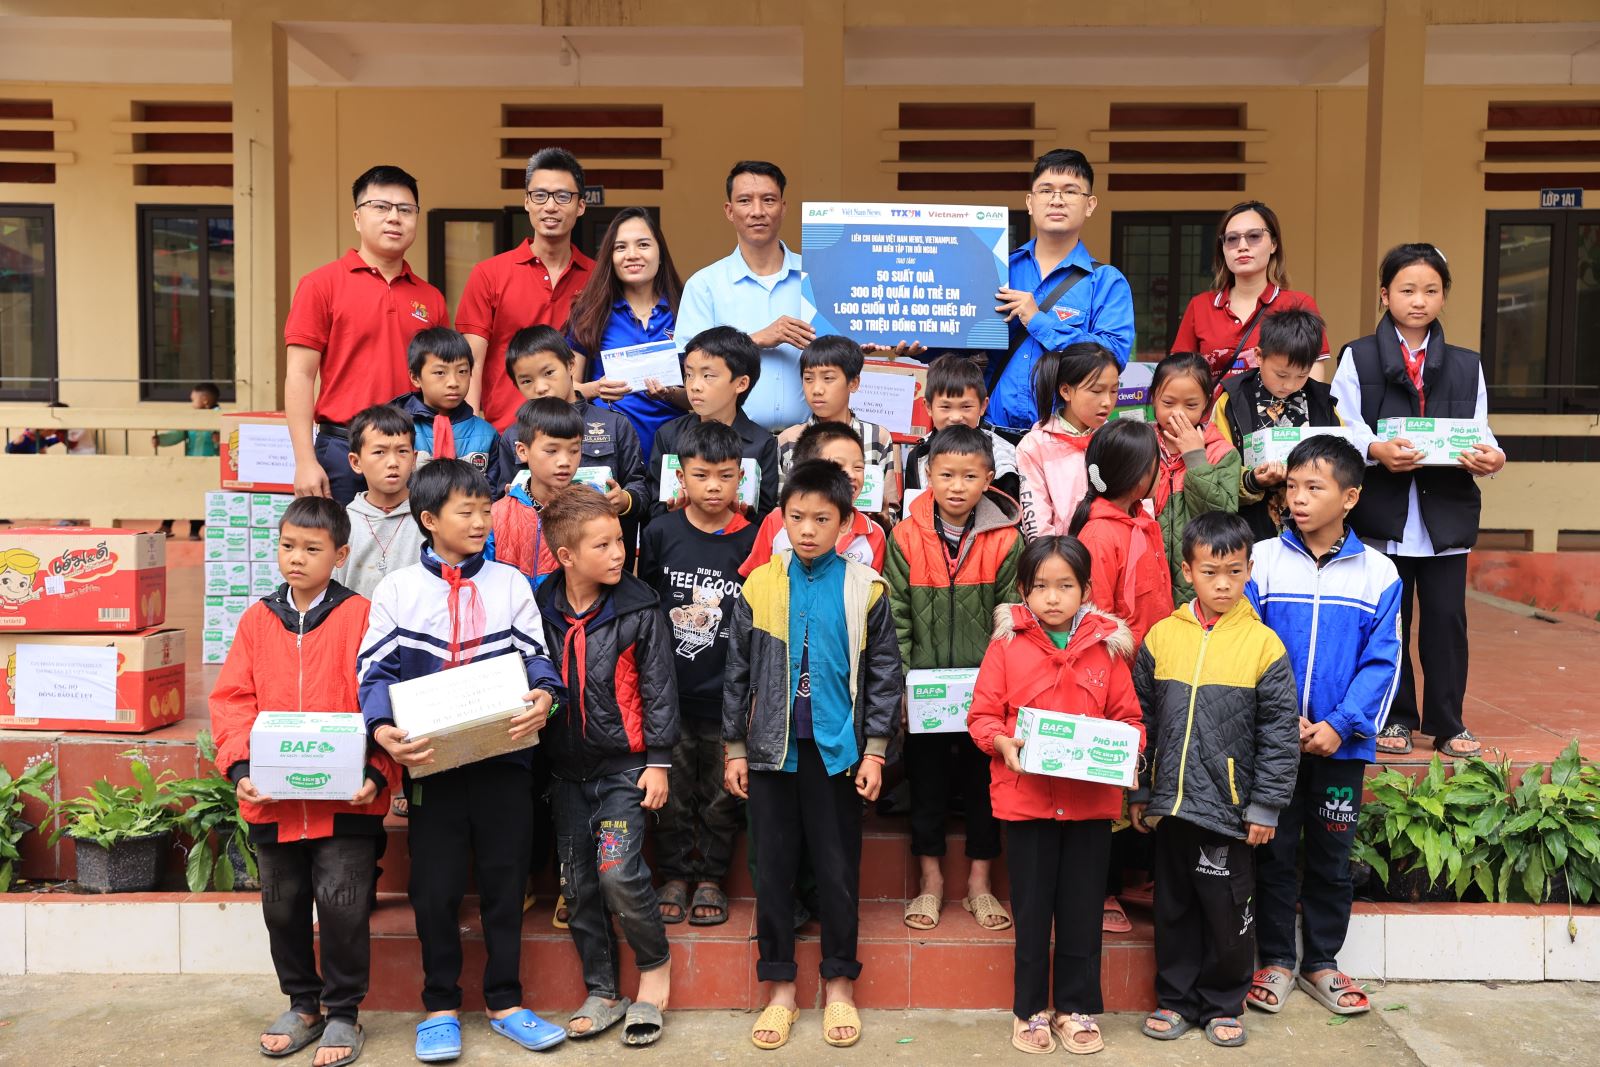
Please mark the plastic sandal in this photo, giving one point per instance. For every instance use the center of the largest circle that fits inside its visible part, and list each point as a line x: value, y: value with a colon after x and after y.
x: 837, y: 1016
x: 438, y: 1040
x: 708, y: 895
x: 343, y: 1034
x: 296, y: 1029
x: 1329, y: 988
x: 1277, y: 983
x: 1070, y: 1026
x: 555, y: 916
x: 1450, y: 748
x: 601, y: 1016
x: 777, y: 1019
x: 1395, y: 730
x: 1225, y: 1042
x: 986, y: 906
x: 1022, y: 1030
x: 674, y: 894
x: 529, y: 1031
x: 926, y: 906
x: 643, y: 1025
x: 1113, y: 920
x: 1177, y: 1025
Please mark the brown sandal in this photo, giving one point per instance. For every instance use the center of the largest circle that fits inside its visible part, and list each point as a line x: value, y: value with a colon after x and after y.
x: 986, y: 906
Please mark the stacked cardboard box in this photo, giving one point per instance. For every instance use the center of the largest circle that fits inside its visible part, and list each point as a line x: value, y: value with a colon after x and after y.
x: 241, y: 561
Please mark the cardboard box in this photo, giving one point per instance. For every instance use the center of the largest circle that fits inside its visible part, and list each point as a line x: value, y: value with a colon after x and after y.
x: 1078, y: 746
x: 465, y: 711
x: 77, y: 579
x: 230, y: 544
x: 227, y: 579
x: 266, y: 509
x: 937, y: 700
x: 263, y: 544
x: 1442, y: 439
x: 749, y: 479
x: 148, y: 686
x: 214, y: 646
x: 594, y: 477
x: 306, y: 755
x: 1144, y: 413
x: 256, y: 455
x: 225, y: 508
x: 1274, y: 443
x: 264, y: 579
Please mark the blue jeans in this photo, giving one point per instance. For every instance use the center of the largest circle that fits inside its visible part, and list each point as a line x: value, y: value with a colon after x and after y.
x: 333, y: 453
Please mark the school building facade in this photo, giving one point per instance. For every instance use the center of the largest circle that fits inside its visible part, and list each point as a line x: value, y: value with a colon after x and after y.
x: 166, y: 178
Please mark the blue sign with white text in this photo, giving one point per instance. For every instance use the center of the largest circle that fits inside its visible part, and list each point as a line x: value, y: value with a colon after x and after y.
x: 1561, y: 198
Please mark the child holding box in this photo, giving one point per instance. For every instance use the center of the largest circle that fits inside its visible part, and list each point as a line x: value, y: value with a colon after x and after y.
x: 293, y: 653
x: 1058, y: 652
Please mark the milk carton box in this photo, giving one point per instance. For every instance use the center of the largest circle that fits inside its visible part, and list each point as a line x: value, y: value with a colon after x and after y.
x: 305, y: 755
x: 1077, y: 746
x: 937, y: 699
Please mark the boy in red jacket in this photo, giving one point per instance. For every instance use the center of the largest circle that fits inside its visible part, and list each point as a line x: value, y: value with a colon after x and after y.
x: 296, y: 651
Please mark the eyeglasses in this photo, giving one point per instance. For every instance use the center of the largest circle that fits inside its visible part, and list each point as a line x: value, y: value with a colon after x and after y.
x: 1064, y: 195
x: 544, y: 196
x: 1248, y: 237
x: 383, y: 207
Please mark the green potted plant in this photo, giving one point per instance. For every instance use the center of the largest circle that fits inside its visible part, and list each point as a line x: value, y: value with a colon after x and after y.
x: 1434, y: 836
x: 220, y: 855
x: 122, y: 833
x: 1551, y: 837
x: 14, y: 791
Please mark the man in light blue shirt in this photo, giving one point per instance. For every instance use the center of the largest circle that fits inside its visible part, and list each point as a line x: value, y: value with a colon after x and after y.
x: 1098, y: 308
x: 755, y: 289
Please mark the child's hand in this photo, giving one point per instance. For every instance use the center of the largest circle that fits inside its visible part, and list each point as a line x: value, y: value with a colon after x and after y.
x: 531, y: 719
x: 904, y: 348
x: 1182, y: 435
x: 1270, y: 475
x: 869, y: 778
x: 679, y: 501
x: 654, y: 783
x: 1010, y: 750
x: 736, y: 777
x: 246, y: 792
x: 610, y: 388
x: 1136, y: 817
x: 617, y: 496
x: 1482, y: 459
x: 366, y: 795
x: 1256, y: 834
x: 1321, y: 740
x: 1397, y: 455
x: 406, y: 753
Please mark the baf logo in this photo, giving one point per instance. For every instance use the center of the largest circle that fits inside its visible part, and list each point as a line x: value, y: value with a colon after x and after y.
x: 304, y: 748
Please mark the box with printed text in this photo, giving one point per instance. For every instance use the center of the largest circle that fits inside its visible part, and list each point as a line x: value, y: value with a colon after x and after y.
x: 230, y: 544
x: 937, y: 699
x: 266, y: 509
x: 1274, y: 443
x: 1441, y: 440
x: 1077, y: 746
x: 77, y: 579
x: 225, y: 508
x: 256, y: 455
x: 119, y: 683
x: 301, y: 755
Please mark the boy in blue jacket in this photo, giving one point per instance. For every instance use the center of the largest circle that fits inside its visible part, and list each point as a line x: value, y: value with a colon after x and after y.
x: 441, y: 368
x: 1335, y: 604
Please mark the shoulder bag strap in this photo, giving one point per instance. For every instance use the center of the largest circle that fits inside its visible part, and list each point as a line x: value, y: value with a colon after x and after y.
x: 1074, y: 275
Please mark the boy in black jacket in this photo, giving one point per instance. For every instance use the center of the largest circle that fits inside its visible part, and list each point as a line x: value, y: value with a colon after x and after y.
x: 610, y: 751
x: 691, y: 558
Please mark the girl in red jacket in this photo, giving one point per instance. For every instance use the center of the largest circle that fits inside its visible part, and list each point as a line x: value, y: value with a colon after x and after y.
x: 1060, y: 653
x: 1129, y: 573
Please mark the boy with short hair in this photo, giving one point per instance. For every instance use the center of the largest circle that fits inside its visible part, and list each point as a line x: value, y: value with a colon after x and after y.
x: 810, y: 700
x: 549, y: 443
x: 440, y: 362
x: 720, y: 367
x: 292, y: 653
x: 691, y: 558
x: 202, y: 397
x: 1211, y: 670
x: 1279, y: 392
x: 860, y: 538
x: 1335, y: 603
x: 610, y: 752
x: 383, y: 535
x: 830, y: 371
x: 955, y: 396
x: 454, y: 607
x: 951, y: 562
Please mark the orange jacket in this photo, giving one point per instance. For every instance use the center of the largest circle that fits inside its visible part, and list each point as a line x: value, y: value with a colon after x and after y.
x: 1128, y: 576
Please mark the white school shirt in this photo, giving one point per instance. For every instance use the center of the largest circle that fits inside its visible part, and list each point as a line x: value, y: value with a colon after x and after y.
x: 1346, y: 387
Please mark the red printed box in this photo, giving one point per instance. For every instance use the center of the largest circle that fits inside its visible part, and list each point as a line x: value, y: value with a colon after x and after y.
x: 119, y: 683
x: 77, y: 579
x: 256, y: 455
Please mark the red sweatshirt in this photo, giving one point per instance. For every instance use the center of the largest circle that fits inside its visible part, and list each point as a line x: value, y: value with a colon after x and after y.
x: 1128, y: 576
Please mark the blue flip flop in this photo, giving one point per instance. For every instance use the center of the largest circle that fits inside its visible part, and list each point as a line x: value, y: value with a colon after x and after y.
x: 529, y: 1031
x: 439, y: 1040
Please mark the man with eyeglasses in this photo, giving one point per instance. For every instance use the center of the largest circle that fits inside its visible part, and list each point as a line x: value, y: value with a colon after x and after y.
x: 532, y: 285
x: 1058, y: 295
x: 350, y: 324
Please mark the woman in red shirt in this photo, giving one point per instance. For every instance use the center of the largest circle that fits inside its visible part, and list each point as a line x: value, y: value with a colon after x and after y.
x: 1250, y: 282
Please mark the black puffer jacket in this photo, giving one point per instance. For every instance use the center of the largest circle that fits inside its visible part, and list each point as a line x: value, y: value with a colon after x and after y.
x: 1221, y: 719
x: 621, y: 710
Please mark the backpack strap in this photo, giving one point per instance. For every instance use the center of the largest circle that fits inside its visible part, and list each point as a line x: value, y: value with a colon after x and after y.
x: 1074, y: 275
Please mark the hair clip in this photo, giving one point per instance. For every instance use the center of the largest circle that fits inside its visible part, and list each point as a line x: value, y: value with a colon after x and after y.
x: 1095, y: 479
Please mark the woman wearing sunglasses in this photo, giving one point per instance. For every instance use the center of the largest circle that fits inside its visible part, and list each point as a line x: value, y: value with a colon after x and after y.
x: 1250, y: 282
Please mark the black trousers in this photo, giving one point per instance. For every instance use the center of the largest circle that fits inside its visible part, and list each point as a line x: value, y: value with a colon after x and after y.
x: 818, y: 813
x: 1440, y: 587
x: 1058, y: 878
x: 1205, y: 926
x: 1326, y: 805
x: 336, y: 874
x: 477, y: 816
x: 934, y: 763
x: 694, y: 839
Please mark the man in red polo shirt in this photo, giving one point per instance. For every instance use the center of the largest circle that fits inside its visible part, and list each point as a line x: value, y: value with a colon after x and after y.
x: 350, y: 323
x: 531, y: 285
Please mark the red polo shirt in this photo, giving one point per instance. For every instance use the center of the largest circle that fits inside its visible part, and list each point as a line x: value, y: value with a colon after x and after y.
x: 362, y: 325
x: 1210, y: 328
x: 504, y: 294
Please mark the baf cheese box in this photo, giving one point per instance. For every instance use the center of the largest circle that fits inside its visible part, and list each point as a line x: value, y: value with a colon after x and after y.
x: 77, y: 579
x: 1272, y: 444
x: 1442, y: 439
x: 1077, y: 746
x: 308, y: 755
x: 937, y: 700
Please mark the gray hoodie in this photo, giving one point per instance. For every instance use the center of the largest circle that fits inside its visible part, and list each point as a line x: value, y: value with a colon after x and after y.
x: 380, y: 543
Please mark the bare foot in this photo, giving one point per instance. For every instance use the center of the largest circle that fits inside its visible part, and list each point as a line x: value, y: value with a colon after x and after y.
x: 279, y: 1042
x: 783, y: 996
x: 655, y: 987
x: 840, y: 991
